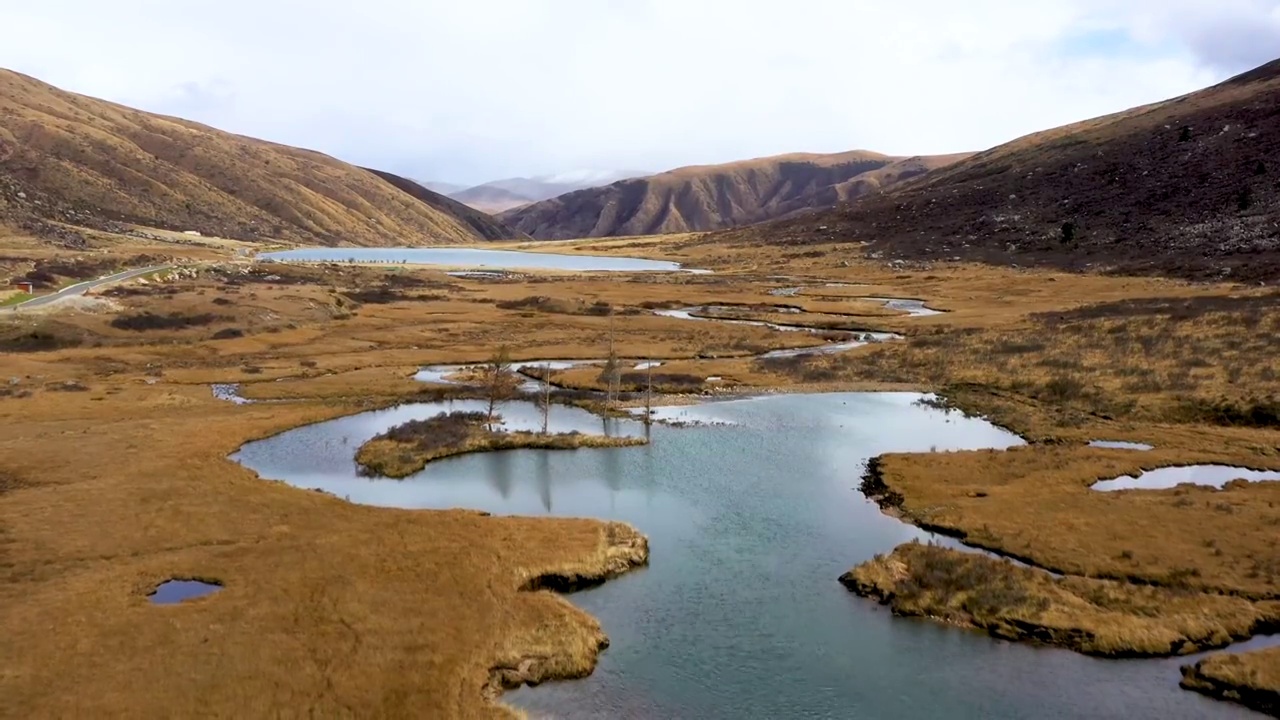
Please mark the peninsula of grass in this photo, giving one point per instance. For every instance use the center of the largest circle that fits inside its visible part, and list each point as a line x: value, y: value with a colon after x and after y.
x: 405, y: 449
x: 1251, y: 679
x: 1096, y: 617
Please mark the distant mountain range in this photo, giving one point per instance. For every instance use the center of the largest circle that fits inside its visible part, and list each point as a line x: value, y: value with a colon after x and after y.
x: 1186, y: 187
x: 712, y: 197
x: 500, y: 195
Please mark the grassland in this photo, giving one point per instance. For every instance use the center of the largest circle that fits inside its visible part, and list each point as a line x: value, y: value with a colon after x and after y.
x: 336, y: 609
x: 405, y: 449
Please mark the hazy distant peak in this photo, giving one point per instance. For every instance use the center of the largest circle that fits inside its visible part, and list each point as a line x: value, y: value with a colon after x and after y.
x: 589, y: 177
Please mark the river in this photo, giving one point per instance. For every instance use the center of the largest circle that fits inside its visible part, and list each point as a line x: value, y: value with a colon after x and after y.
x: 751, y: 517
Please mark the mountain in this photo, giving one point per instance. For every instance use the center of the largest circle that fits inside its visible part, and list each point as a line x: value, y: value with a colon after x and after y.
x: 502, y: 195
x: 544, y: 187
x: 480, y: 223
x: 1189, y: 187
x: 491, y: 199
x: 85, y: 161
x: 711, y: 197
x: 444, y: 188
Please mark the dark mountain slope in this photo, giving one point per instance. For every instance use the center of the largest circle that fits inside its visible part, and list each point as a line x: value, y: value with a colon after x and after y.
x: 1189, y: 187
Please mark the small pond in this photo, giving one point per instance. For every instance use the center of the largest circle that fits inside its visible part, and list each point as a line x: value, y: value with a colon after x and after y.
x: 752, y: 514
x: 1121, y: 445
x: 1168, y: 477
x: 475, y: 258
x: 913, y: 308
x: 175, y: 591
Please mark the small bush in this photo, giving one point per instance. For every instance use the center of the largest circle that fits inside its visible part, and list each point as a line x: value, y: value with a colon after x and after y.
x: 151, y: 321
x: 228, y: 333
x: 39, y: 341
x: 1063, y: 388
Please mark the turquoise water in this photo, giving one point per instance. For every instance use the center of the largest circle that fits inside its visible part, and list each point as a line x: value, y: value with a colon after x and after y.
x: 751, y: 520
x: 475, y: 258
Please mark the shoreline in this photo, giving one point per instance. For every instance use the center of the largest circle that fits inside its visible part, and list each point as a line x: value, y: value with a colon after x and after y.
x: 623, y: 549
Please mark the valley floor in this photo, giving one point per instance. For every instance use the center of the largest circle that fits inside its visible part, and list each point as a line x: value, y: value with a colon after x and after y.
x: 115, y: 474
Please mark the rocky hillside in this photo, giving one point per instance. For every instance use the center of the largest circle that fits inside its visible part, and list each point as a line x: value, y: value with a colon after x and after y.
x: 711, y: 197
x: 83, y: 161
x: 1189, y: 187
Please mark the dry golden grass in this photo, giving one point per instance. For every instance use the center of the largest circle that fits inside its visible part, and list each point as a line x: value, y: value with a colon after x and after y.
x: 1035, y: 503
x: 111, y: 489
x: 328, y: 608
x: 1252, y: 679
x: 1096, y: 617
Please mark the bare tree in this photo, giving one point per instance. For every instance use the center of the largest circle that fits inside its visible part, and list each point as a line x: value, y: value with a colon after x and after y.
x: 544, y: 398
x: 609, y: 377
x: 500, y: 382
x: 648, y: 392
x: 611, y: 373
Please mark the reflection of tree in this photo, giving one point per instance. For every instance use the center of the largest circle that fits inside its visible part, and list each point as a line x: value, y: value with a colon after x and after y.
x: 500, y: 473
x: 544, y: 479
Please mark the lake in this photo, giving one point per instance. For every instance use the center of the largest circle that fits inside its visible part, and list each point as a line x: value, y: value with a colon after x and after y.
x: 476, y: 258
x: 751, y: 520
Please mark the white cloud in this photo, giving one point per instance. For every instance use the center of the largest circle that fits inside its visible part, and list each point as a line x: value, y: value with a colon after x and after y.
x: 486, y: 88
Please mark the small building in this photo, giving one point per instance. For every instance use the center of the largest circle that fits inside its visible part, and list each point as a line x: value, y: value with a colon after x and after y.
x: 25, y: 286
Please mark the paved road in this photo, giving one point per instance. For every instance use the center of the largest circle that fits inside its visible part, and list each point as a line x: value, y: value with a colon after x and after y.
x: 81, y: 287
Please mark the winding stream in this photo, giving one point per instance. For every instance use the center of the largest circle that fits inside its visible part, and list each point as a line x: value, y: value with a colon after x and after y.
x: 752, y: 513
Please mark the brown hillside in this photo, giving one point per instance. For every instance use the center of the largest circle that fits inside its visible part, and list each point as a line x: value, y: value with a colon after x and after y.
x: 711, y: 197
x: 1188, y: 187
x: 74, y: 158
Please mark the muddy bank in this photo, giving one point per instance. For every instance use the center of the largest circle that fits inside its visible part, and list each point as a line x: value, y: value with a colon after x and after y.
x: 1102, y: 618
x: 1250, y: 679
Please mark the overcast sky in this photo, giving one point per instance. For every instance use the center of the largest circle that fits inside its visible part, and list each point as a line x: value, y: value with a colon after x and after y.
x: 472, y: 90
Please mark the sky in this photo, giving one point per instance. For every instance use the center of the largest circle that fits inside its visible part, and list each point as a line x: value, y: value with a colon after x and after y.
x: 473, y: 90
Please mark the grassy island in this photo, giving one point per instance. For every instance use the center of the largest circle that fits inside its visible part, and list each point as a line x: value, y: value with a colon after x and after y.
x: 1096, y: 617
x: 1251, y: 679
x: 405, y: 449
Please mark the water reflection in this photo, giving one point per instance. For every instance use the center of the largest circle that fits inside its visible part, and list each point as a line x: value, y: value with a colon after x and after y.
x: 544, y: 480
x: 750, y: 524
